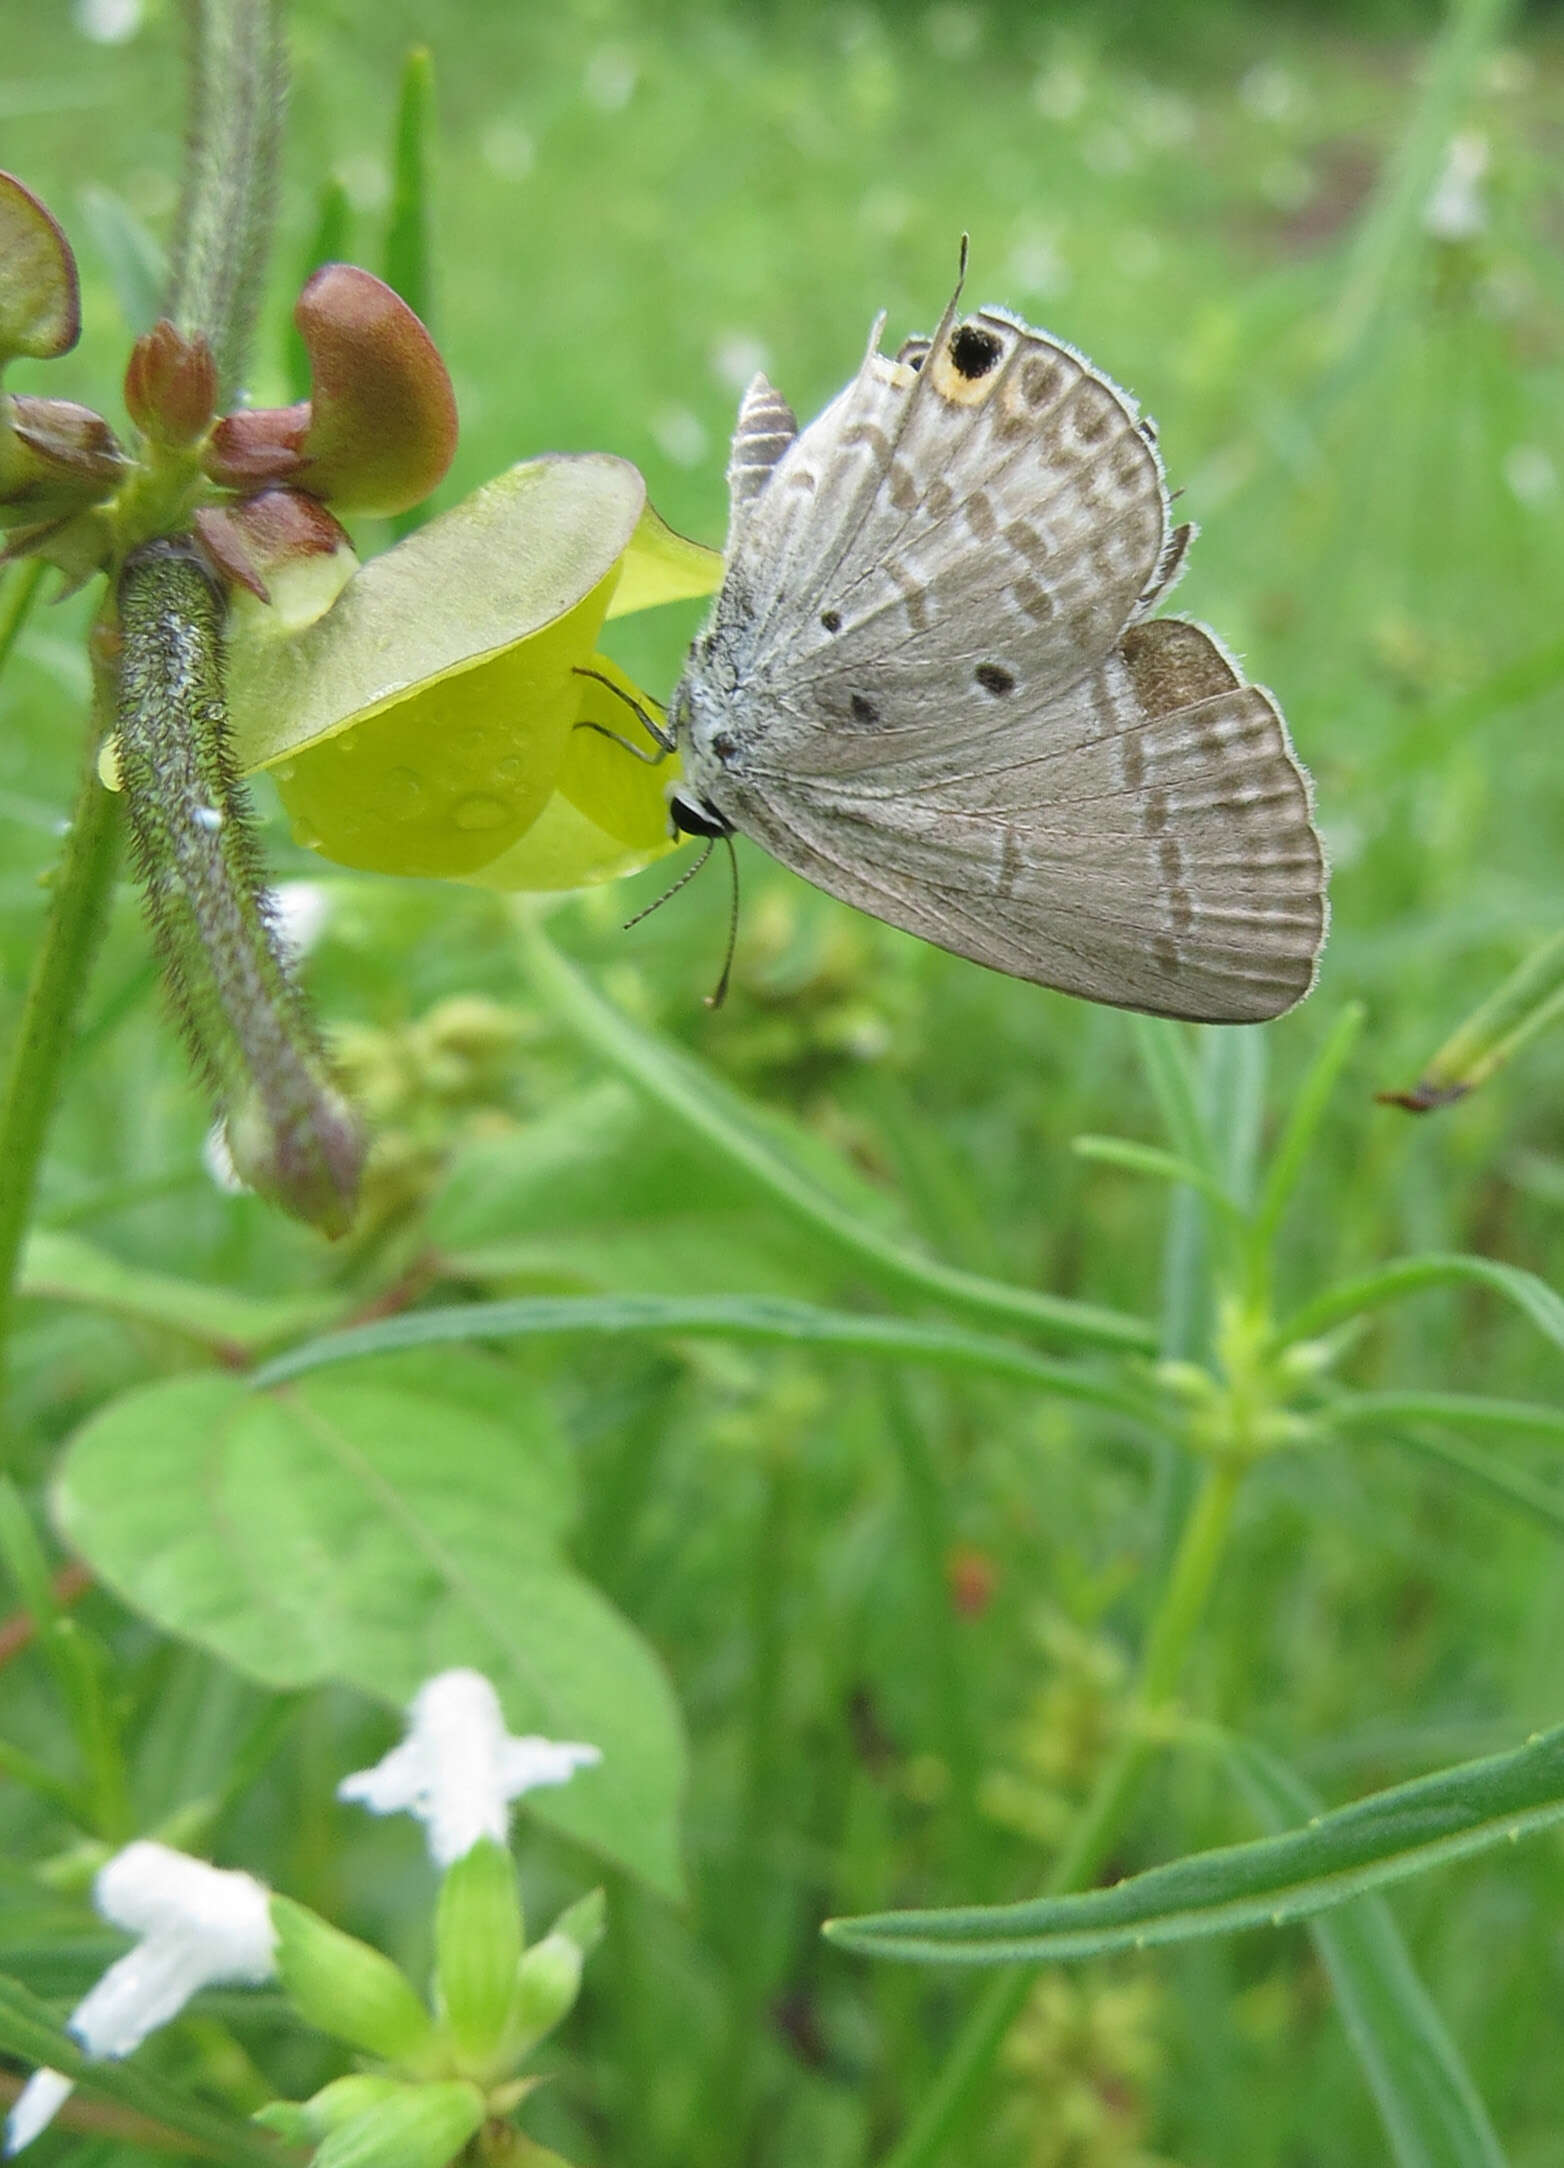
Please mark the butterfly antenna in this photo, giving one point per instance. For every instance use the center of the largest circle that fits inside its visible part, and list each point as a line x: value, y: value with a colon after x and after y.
x: 668, y: 894
x: 719, y: 992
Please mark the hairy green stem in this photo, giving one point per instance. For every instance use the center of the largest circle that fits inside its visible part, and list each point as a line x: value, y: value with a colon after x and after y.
x: 953, y: 2096
x: 228, y: 199
x: 243, y: 1017
x: 78, y: 912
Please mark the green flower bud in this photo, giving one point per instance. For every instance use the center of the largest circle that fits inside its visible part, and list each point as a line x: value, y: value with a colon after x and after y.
x: 340, y: 2102
x: 346, y: 1989
x: 477, y: 1947
x: 40, y: 304
x: 548, y: 1980
x: 409, y: 2126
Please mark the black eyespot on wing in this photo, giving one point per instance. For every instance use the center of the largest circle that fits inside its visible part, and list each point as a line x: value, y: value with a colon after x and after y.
x: 995, y: 679
x: 832, y: 620
x: 864, y: 710
x: 973, y: 350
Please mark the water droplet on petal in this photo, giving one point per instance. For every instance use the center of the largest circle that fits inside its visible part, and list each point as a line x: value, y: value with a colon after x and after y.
x: 506, y: 771
x: 480, y: 812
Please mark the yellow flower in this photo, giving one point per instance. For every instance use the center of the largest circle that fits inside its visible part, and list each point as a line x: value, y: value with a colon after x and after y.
x: 427, y: 721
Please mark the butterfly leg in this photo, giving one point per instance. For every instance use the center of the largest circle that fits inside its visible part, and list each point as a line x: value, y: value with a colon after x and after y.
x: 661, y: 738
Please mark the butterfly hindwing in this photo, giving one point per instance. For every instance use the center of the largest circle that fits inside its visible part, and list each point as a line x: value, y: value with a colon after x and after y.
x: 931, y: 688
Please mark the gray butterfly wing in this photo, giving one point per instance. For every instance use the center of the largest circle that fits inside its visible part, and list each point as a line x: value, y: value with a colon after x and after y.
x: 938, y: 700
x: 1144, y: 839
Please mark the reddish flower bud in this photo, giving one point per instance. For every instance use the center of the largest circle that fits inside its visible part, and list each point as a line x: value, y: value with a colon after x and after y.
x: 40, y: 304
x: 382, y: 412
x: 251, y: 541
x: 55, y: 456
x: 257, y: 446
x: 171, y: 385
x: 379, y: 430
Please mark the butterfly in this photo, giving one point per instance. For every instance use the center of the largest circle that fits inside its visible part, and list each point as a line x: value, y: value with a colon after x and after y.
x: 932, y: 685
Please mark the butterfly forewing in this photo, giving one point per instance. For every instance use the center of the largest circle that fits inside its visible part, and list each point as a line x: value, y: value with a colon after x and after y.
x: 940, y: 700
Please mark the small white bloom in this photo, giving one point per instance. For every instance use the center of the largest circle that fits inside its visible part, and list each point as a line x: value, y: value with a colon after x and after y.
x: 299, y: 911
x: 1455, y: 210
x: 458, y: 1768
x: 218, y: 1160
x: 199, y: 1926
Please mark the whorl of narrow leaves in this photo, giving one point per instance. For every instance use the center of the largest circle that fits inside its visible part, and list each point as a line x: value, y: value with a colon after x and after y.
x: 249, y: 1032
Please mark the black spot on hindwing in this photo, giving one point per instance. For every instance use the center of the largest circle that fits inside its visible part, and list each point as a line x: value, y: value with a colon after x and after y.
x: 973, y: 350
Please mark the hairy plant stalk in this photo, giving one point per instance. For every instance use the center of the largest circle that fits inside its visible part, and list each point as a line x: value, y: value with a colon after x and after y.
x: 228, y: 198
x: 244, y: 1019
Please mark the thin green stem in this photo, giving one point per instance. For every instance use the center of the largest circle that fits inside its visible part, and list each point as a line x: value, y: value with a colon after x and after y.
x: 78, y: 913
x: 953, y: 2097
x: 16, y: 601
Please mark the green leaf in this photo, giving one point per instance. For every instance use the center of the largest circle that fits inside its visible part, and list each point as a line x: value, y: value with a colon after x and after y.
x: 1534, y: 1298
x: 1530, y: 999
x: 30, y: 2031
x: 64, y: 1268
x: 357, y: 1531
x: 722, y: 1122
x: 1366, y: 1846
x: 768, y: 1319
x: 137, y: 267
x: 1432, y: 2112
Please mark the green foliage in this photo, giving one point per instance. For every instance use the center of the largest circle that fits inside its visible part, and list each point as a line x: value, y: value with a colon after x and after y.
x: 822, y: 1344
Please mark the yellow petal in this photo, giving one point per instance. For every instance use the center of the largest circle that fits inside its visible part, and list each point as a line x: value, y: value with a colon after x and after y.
x: 661, y: 566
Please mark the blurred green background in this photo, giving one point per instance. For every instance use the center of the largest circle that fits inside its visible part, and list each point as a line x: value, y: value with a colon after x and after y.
x: 1228, y: 209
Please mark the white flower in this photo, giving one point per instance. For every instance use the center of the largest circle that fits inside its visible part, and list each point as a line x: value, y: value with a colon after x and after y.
x: 199, y: 1926
x: 1455, y: 210
x: 458, y: 1768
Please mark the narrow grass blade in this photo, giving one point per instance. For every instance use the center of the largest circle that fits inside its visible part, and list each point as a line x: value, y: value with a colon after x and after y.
x: 1161, y: 1166
x: 1164, y: 1052
x: 407, y: 237
x: 1506, y: 1486
x: 30, y: 2031
x: 771, y: 1319
x: 1530, y: 999
x: 1292, y: 1148
x: 63, y: 1268
x: 328, y: 244
x: 1432, y: 2112
x: 720, y: 1120
x: 1366, y: 1846
x: 1533, y: 1297
x: 137, y: 267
